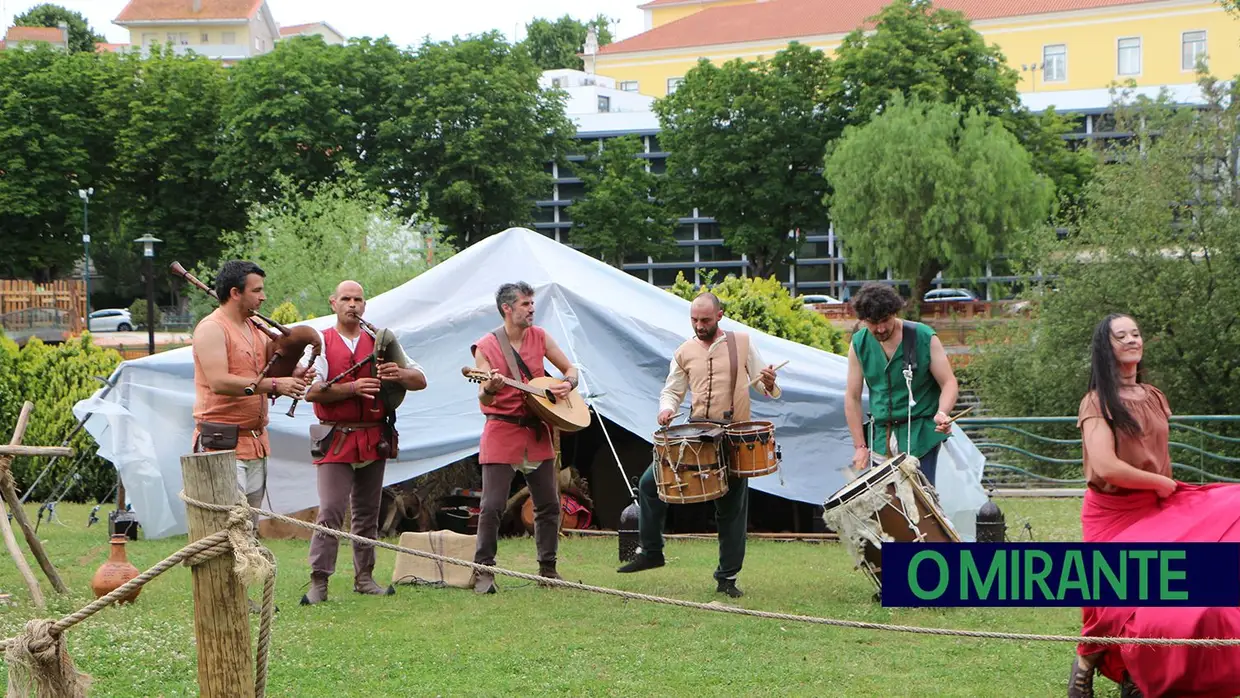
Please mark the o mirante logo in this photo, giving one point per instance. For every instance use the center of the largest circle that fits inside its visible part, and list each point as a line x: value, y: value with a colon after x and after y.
x: 1061, y: 574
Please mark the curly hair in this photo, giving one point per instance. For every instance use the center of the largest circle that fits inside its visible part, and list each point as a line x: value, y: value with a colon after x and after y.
x: 876, y: 302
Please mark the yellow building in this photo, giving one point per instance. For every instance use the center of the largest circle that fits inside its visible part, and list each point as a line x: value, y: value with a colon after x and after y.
x: 227, y: 30
x: 1056, y: 45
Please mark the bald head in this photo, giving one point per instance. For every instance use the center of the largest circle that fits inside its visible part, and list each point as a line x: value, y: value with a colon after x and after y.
x: 349, y: 302
x: 705, y: 312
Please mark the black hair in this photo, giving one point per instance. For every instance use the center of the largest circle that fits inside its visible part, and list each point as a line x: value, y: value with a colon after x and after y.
x: 233, y: 275
x: 876, y: 302
x: 1104, y: 378
x: 508, y: 294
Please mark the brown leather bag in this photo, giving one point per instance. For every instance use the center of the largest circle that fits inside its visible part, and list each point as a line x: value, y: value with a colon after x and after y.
x: 215, y: 436
x: 321, y: 439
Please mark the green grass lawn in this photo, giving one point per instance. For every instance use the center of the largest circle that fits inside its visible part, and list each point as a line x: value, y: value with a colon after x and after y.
x: 529, y: 640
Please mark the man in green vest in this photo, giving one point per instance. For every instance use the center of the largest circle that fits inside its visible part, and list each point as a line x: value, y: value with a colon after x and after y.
x: 876, y: 356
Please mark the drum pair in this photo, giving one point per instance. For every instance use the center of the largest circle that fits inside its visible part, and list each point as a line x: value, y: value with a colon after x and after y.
x: 693, y: 460
x: 891, y: 502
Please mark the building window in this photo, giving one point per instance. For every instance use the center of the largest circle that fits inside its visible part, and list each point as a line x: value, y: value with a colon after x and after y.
x: 631, y: 85
x: 229, y: 38
x: 205, y: 38
x: 1129, y: 56
x: 673, y: 83
x: 604, y: 104
x: 1055, y: 63
x: 1194, y: 48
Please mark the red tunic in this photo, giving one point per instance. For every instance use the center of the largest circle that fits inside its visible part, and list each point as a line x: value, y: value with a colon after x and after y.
x: 505, y: 442
x: 361, y: 445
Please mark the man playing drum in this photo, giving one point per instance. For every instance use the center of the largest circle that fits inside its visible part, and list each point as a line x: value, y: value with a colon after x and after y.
x: 876, y: 356
x: 352, y: 441
x: 702, y: 365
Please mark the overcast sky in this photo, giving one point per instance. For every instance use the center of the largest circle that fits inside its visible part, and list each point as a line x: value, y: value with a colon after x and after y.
x: 405, y: 22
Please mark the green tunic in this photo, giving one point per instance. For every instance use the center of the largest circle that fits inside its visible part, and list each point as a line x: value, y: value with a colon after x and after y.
x: 889, y: 392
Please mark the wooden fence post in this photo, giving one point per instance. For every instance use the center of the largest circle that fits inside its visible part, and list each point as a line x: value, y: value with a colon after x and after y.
x: 221, y: 608
x: 15, y: 506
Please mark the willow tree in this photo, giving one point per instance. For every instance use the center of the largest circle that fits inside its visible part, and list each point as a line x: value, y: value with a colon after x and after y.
x: 929, y: 187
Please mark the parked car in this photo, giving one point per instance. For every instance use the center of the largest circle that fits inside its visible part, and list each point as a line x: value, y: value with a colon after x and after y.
x: 949, y: 295
x: 821, y: 299
x: 110, y: 320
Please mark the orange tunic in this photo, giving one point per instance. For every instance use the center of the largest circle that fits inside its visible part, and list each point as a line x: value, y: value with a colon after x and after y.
x: 247, y: 354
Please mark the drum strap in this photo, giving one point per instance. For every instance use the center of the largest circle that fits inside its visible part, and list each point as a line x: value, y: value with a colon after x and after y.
x: 727, y: 337
x: 908, y: 343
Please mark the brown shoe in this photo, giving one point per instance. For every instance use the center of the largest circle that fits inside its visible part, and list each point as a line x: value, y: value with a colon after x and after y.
x: 1128, y: 689
x: 547, y: 569
x: 365, y: 584
x: 1081, y: 680
x: 318, y: 590
x: 484, y: 583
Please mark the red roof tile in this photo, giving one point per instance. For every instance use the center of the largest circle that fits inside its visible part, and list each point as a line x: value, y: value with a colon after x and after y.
x: 790, y: 19
x: 665, y: 3
x: 296, y: 28
x: 148, y: 10
x: 51, y: 34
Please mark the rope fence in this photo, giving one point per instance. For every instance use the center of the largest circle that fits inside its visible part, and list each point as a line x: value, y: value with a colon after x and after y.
x: 39, y: 663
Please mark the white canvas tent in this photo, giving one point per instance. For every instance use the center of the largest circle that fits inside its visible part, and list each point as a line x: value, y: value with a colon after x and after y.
x: 620, y: 331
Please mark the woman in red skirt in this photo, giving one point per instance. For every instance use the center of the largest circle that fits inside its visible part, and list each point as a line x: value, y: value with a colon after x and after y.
x: 1131, y: 497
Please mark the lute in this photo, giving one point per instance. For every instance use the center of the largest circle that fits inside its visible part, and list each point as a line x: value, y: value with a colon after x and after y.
x: 568, y: 414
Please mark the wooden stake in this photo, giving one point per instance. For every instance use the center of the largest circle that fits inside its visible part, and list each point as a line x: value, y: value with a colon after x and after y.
x: 221, y: 608
x: 36, y: 594
x: 15, y: 450
x: 10, y: 497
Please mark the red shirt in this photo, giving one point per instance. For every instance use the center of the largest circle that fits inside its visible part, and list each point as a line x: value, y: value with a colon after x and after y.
x: 505, y: 442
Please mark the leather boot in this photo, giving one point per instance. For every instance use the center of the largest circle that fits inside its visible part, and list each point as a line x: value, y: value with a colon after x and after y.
x: 547, y: 569
x: 643, y: 561
x: 318, y: 590
x: 1080, y: 681
x: 1128, y: 689
x: 365, y: 584
x: 484, y: 583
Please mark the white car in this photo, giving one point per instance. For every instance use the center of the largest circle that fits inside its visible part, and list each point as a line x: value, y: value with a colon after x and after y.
x: 945, y: 295
x: 110, y: 320
x: 820, y: 299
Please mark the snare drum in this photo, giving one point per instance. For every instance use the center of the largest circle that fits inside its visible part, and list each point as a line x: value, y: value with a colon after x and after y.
x: 751, y: 449
x: 690, y: 466
x: 891, y: 502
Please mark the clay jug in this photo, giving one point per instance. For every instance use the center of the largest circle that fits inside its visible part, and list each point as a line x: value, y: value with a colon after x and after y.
x: 115, y: 572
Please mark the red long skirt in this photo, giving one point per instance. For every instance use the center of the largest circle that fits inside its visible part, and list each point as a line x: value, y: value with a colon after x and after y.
x: 1194, y: 514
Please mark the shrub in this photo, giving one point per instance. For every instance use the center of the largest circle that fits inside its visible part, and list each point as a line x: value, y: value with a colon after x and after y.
x: 286, y: 313
x: 137, y: 314
x: 55, y: 378
x: 764, y: 304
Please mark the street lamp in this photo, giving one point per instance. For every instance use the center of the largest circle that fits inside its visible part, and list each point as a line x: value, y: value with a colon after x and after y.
x: 148, y: 251
x: 85, y: 194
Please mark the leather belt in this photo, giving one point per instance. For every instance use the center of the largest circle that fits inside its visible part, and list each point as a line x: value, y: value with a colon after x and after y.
x: 531, y: 422
x: 347, y: 427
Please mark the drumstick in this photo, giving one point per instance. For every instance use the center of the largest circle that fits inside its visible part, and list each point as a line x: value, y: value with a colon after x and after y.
x: 960, y: 414
x: 754, y: 382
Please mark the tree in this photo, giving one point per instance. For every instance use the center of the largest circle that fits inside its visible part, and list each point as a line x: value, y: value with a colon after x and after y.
x: 307, y: 243
x: 619, y: 216
x: 1159, y: 239
x: 765, y: 305
x: 165, y: 117
x: 304, y: 108
x: 933, y: 55
x: 925, y: 188
x: 54, y: 139
x: 474, y: 134
x: 556, y: 44
x: 82, y: 37
x: 746, y: 142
